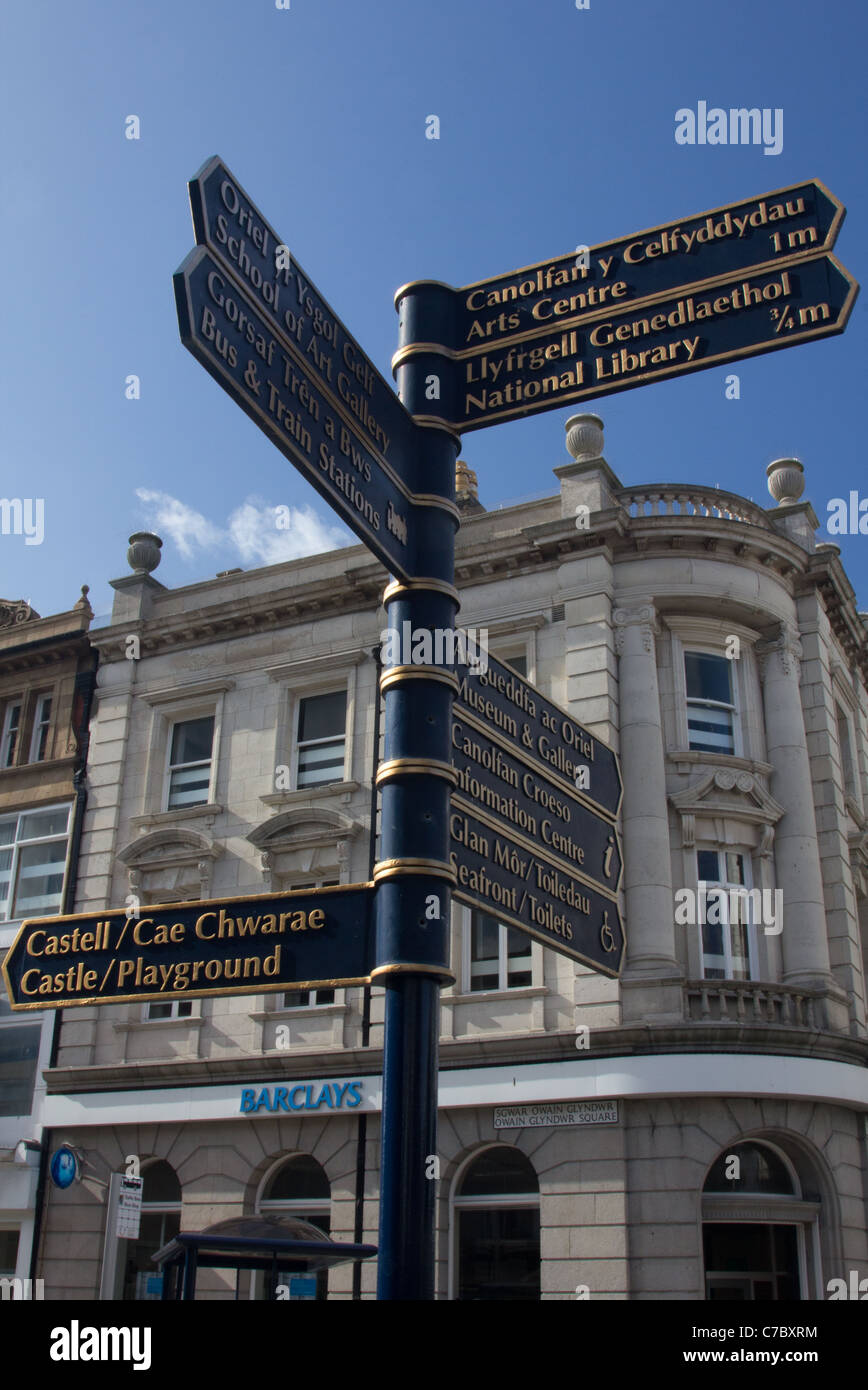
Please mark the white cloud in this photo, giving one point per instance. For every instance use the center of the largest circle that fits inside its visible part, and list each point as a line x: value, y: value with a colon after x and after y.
x: 258, y: 533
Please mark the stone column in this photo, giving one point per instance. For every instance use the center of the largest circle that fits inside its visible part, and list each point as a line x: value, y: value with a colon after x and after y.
x: 804, y: 942
x: 650, y: 911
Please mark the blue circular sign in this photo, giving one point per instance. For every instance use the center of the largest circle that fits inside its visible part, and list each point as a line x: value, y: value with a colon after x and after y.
x: 63, y: 1167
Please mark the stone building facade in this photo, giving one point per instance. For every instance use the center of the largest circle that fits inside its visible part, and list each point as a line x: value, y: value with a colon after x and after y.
x: 694, y: 1130
x: 47, y: 676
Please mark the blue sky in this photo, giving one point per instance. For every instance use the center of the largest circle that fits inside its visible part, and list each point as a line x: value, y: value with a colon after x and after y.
x: 557, y: 128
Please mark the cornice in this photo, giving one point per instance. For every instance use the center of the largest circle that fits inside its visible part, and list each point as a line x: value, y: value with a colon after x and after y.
x: 635, y: 1040
x: 825, y: 573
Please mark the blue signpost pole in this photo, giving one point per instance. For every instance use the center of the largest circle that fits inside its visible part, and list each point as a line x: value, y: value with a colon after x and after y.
x: 413, y: 875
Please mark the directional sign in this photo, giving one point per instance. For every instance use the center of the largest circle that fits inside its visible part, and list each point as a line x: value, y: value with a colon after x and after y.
x: 251, y: 945
x: 539, y: 733
x: 271, y: 380
x: 614, y: 350
x: 530, y: 806
x: 803, y: 218
x: 520, y: 886
x: 232, y: 227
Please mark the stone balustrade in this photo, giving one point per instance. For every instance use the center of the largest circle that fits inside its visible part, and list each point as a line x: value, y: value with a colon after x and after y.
x: 672, y: 499
x: 752, y: 1002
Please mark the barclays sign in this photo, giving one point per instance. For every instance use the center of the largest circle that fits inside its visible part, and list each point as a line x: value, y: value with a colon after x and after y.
x: 332, y: 1095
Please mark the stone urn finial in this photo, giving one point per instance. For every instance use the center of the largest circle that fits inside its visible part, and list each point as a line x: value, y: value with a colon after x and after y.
x: 786, y: 481
x: 143, y: 555
x: 466, y: 482
x: 585, y: 437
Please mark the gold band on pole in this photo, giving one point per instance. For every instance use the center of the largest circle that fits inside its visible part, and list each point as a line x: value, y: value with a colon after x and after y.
x: 395, y: 675
x: 433, y: 767
x: 401, y: 968
x: 394, y: 868
x: 406, y: 586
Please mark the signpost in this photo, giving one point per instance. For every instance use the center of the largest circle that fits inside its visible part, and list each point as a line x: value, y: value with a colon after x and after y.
x: 529, y: 834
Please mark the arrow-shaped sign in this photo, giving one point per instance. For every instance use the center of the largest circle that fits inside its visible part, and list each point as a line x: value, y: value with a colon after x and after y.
x: 614, y: 350
x: 286, y: 941
x: 802, y: 219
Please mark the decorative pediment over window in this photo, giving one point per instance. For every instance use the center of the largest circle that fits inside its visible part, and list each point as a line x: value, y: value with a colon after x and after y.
x: 170, y: 865
x: 302, y: 841
x: 728, y: 795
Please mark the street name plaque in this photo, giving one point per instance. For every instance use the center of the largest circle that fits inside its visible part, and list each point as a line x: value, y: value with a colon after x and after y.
x: 287, y: 941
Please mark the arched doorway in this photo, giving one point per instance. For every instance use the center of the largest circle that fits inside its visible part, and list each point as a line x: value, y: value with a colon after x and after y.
x: 759, y: 1227
x: 496, y: 1242
x: 298, y: 1186
x: 160, y: 1221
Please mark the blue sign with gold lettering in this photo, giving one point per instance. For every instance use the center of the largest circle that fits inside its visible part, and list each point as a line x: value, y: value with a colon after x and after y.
x: 287, y: 941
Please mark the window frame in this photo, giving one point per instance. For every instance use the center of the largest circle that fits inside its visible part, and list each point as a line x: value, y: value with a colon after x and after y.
x: 302, y: 1207
x: 38, y: 726
x: 174, y: 1016
x: 11, y: 703
x: 319, y: 675
x: 690, y: 634
x: 298, y: 698
x: 753, y: 974
x: 176, y: 767
x: 39, y: 839
x: 693, y: 703
x: 502, y: 958
x: 526, y: 1201
x: 168, y: 708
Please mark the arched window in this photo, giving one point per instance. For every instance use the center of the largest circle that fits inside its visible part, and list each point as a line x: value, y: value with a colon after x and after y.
x: 758, y: 1227
x: 297, y: 1187
x: 496, y: 1228
x: 161, y: 1220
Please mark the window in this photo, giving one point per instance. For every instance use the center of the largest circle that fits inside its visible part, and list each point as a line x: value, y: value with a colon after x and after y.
x: 160, y: 1221
x: 518, y: 662
x: 846, y: 748
x: 190, y: 763
x: 321, y: 739
x: 710, y: 706
x: 32, y: 862
x: 497, y: 1243
x: 304, y: 998
x: 756, y: 1259
x: 11, y: 729
x: 724, y: 917
x: 8, y: 1252
x: 500, y: 956
x: 178, y: 1008
x: 301, y: 1189
x: 41, y: 726
x: 19, y: 1057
